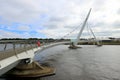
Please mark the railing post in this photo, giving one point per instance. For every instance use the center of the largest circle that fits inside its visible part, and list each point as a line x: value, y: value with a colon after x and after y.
x: 31, y: 46
x: 25, y: 46
x: 14, y: 48
x: 5, y: 46
x: 20, y: 45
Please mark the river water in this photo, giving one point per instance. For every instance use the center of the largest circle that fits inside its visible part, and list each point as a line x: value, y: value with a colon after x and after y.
x: 87, y: 63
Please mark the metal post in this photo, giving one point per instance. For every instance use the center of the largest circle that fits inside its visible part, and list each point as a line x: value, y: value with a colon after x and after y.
x: 20, y: 45
x: 31, y: 46
x: 5, y: 46
x: 25, y: 47
x: 14, y: 48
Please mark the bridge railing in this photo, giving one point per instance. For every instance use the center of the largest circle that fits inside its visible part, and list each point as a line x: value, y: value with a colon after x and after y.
x: 14, y: 47
x: 10, y: 48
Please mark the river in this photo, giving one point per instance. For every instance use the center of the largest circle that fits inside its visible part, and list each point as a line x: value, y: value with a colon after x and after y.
x: 87, y: 63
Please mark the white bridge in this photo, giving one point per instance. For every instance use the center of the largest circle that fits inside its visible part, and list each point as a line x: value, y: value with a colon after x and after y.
x: 10, y: 58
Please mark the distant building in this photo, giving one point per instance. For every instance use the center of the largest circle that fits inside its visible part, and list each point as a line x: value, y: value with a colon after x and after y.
x: 106, y: 40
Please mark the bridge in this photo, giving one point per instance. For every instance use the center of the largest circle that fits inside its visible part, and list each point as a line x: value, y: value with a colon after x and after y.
x: 9, y: 58
x: 15, y: 51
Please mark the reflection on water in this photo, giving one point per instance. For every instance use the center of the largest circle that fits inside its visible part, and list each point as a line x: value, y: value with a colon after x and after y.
x: 86, y: 63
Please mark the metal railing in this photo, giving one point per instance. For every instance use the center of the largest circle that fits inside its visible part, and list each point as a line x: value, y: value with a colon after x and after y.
x: 10, y: 48
x: 14, y: 47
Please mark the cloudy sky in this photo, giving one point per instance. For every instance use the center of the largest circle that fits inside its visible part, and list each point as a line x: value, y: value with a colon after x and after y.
x: 58, y: 18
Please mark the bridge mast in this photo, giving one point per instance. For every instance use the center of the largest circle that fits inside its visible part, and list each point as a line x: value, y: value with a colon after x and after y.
x: 78, y: 37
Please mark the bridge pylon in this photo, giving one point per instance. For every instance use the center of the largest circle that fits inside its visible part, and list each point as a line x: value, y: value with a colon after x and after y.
x: 73, y: 44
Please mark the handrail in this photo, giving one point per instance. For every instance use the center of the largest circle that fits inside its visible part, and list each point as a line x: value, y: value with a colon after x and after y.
x: 17, y: 50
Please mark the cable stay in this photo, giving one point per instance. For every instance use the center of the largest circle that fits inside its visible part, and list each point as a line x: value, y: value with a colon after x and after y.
x: 97, y: 41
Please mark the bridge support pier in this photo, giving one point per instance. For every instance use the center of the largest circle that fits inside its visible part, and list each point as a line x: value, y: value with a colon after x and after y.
x: 33, y: 69
x: 73, y: 46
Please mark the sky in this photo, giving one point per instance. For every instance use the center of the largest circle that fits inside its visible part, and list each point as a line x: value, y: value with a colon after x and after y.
x: 58, y: 18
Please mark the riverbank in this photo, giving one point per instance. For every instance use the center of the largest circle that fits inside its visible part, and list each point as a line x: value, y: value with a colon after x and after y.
x: 102, y: 43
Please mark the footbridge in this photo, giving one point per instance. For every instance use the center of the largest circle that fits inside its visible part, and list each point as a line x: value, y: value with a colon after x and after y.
x: 13, y: 52
x: 24, y: 50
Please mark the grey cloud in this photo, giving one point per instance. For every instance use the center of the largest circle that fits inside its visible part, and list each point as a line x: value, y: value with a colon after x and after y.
x: 18, y: 10
x: 56, y: 19
x: 99, y: 24
x: 116, y: 24
x: 50, y: 26
x: 73, y: 27
x: 70, y: 26
x: 54, y: 22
